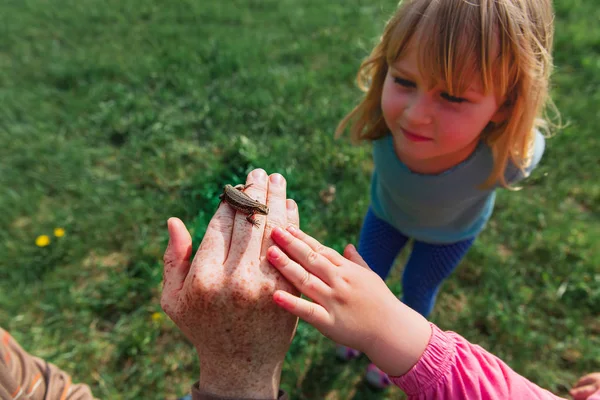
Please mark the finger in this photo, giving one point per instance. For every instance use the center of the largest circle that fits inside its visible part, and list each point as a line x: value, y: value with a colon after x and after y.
x: 247, y: 238
x: 593, y: 378
x: 312, y: 313
x: 309, y: 259
x: 177, y: 256
x: 307, y: 283
x: 293, y: 217
x: 583, y: 392
x: 327, y: 252
x: 277, y: 209
x: 217, y: 238
x: 352, y: 254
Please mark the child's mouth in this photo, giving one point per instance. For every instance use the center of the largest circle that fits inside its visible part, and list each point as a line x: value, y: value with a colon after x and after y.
x: 414, y: 137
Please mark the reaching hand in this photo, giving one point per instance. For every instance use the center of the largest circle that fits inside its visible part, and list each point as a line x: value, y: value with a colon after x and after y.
x: 222, y: 301
x: 352, y: 305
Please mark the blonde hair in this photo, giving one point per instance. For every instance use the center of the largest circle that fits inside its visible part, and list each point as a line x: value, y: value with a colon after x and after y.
x: 506, y: 42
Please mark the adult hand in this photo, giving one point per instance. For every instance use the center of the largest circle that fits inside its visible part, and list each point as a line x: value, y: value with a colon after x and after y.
x: 223, y: 302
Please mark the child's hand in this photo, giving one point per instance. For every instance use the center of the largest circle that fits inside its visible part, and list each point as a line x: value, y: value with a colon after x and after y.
x: 586, y: 386
x: 351, y: 301
x: 352, y: 305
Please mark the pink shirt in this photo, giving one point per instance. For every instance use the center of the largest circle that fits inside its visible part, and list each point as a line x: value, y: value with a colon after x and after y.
x: 453, y: 368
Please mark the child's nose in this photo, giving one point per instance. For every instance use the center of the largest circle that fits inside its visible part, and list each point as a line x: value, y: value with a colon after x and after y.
x: 419, y: 110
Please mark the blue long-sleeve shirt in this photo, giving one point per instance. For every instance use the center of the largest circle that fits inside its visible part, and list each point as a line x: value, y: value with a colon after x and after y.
x: 444, y: 208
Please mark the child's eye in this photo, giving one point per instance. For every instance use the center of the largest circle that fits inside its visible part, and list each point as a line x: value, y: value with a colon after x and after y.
x: 452, y: 99
x: 405, y: 83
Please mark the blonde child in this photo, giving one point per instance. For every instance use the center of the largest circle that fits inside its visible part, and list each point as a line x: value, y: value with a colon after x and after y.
x: 353, y: 306
x: 455, y: 90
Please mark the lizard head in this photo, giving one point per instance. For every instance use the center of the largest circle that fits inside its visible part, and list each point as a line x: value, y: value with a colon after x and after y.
x: 262, y: 209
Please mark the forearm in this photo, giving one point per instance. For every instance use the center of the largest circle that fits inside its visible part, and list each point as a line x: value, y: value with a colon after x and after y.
x: 400, y: 341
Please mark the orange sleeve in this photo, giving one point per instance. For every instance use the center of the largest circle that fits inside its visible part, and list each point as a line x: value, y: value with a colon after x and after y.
x: 23, y: 376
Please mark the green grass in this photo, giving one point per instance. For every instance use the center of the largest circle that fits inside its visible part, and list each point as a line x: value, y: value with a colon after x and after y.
x: 117, y: 115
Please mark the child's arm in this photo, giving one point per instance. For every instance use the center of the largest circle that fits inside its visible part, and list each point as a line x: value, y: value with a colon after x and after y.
x: 354, y: 307
x: 453, y: 368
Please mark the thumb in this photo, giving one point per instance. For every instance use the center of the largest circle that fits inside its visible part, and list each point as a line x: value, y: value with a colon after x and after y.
x: 351, y: 254
x: 177, y: 256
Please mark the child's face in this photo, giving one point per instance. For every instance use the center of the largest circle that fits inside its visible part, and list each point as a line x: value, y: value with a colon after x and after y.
x: 432, y: 130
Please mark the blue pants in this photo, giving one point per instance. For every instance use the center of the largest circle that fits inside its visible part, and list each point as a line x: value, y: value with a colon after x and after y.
x: 427, y: 267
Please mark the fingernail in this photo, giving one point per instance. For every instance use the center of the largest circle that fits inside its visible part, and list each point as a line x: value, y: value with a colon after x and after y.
x: 260, y: 175
x: 277, y: 179
x: 274, y: 253
x: 283, y: 236
x: 290, y: 205
x: 278, y: 298
x: 292, y: 229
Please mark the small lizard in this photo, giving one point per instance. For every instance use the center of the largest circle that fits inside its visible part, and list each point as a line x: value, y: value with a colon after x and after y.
x: 236, y: 198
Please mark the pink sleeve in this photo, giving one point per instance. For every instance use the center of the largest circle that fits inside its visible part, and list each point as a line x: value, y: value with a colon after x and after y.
x: 595, y: 395
x: 453, y: 368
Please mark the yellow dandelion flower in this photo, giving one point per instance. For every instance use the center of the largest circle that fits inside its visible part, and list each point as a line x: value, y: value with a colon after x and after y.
x: 156, y: 317
x: 59, y: 232
x: 42, y: 241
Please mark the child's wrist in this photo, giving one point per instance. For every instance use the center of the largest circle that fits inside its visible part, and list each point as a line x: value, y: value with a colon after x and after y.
x: 399, y: 345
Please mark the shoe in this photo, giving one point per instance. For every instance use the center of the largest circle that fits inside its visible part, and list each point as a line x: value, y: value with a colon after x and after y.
x: 377, y: 378
x: 346, y: 353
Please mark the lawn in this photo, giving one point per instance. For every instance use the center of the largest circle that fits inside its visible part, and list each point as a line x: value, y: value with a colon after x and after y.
x: 117, y: 115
